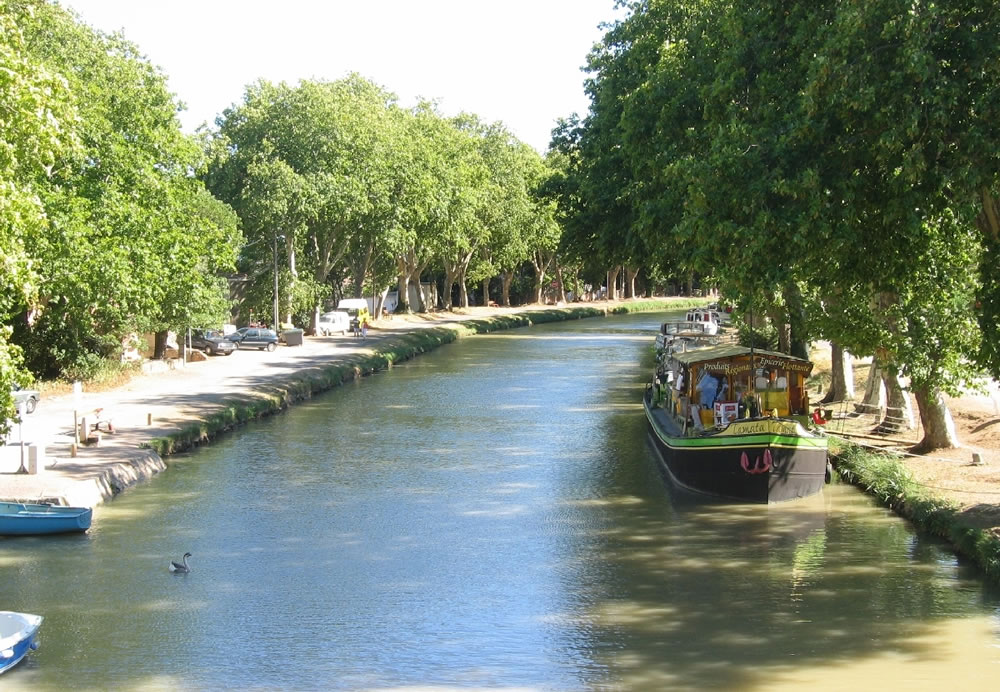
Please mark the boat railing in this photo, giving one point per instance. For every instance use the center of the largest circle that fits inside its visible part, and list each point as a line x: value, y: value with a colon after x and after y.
x: 680, y: 327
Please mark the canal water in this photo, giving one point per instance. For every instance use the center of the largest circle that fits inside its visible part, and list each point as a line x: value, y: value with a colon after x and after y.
x: 489, y: 515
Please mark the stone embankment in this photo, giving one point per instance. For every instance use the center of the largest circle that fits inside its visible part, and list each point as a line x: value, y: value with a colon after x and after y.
x: 159, y: 413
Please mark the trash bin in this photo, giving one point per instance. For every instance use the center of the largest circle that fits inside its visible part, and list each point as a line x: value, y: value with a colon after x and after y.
x: 292, y: 337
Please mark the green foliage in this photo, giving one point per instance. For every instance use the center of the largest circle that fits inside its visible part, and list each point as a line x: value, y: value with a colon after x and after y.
x: 760, y: 336
x: 987, y: 305
x: 314, y: 163
x: 100, y: 372
x: 122, y: 239
x: 361, y: 188
x: 833, y: 161
x: 11, y: 372
x: 656, y: 305
x: 35, y: 108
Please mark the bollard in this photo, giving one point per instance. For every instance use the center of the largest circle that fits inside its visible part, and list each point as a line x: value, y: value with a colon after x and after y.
x: 977, y: 460
x: 72, y: 449
x: 149, y: 419
x: 36, y: 459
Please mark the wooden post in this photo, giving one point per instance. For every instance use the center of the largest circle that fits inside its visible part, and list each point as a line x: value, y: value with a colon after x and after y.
x: 149, y: 419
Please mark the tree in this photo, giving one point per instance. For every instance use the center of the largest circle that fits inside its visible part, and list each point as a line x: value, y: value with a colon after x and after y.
x: 329, y: 147
x: 29, y: 148
x: 115, y: 259
x: 797, y: 152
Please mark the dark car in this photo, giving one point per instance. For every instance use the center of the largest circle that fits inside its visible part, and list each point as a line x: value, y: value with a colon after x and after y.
x: 212, y: 342
x: 29, y: 396
x: 245, y: 337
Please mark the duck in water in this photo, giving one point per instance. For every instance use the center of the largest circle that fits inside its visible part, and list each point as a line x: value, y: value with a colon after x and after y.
x: 180, y: 567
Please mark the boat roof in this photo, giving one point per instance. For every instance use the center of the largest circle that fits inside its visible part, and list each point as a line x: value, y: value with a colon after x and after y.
x: 698, y: 355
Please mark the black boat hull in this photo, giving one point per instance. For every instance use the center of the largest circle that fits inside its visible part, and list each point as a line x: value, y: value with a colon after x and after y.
x: 759, y: 461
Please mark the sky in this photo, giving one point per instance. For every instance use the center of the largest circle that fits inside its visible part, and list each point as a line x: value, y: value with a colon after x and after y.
x: 517, y: 61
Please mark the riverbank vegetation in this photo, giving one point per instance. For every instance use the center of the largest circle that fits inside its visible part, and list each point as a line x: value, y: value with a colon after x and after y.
x: 887, y: 478
x: 827, y: 165
x: 104, y: 232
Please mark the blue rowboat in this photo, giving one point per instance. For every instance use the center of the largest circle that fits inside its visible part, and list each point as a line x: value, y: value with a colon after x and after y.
x: 22, y: 519
x: 17, y: 637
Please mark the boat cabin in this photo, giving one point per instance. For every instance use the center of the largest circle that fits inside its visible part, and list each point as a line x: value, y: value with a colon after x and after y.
x: 713, y: 385
x: 710, y: 320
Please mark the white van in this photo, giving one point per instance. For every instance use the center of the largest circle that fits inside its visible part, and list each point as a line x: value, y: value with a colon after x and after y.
x: 331, y: 322
x: 357, y: 309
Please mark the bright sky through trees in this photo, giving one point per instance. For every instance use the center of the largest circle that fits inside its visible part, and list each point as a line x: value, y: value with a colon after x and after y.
x: 517, y: 61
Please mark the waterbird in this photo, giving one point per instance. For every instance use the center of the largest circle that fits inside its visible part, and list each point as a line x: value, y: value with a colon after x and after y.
x: 180, y: 567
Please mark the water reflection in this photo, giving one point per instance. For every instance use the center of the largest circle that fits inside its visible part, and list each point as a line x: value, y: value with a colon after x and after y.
x: 488, y: 515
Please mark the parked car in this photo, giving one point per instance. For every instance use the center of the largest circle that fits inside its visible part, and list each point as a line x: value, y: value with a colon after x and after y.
x: 212, y: 342
x: 245, y: 337
x: 335, y: 321
x: 29, y: 396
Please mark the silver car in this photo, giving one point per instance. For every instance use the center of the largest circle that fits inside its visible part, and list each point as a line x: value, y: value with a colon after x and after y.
x: 335, y: 321
x: 29, y: 398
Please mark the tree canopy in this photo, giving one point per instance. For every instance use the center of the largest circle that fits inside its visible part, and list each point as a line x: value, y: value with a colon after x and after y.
x: 356, y: 185
x: 106, y: 232
x: 829, y: 160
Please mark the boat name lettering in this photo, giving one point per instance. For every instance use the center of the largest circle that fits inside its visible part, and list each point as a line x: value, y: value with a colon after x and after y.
x: 732, y: 367
x: 773, y: 427
x: 765, y: 361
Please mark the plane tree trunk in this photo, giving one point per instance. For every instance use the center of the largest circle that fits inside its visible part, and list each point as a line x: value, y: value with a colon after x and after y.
x: 450, y: 275
x: 409, y: 268
x: 939, y: 427
x: 541, y: 261
x: 874, y: 398
x: 561, y: 290
x: 160, y: 344
x: 613, y: 282
x: 630, y: 274
x: 842, y: 384
x: 898, y: 409
x: 506, y: 279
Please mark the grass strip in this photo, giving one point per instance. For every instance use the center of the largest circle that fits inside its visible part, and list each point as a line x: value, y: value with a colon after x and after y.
x: 887, y: 478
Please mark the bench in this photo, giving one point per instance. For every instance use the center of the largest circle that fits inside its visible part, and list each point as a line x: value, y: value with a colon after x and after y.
x: 96, y: 422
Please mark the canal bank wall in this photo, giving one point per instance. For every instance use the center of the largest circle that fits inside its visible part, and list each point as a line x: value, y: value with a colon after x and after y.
x: 174, y: 411
x: 381, y: 356
x: 280, y: 394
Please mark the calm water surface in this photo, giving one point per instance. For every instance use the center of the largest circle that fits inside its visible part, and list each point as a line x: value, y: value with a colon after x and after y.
x: 490, y: 515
